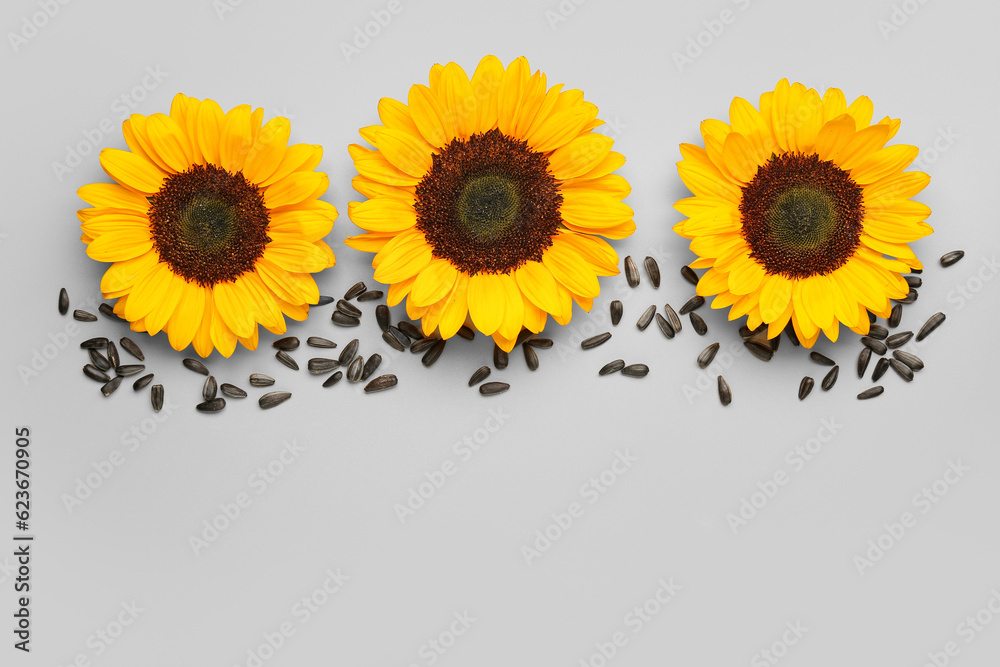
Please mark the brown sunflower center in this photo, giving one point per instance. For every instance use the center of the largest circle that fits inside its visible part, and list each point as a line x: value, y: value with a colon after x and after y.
x: 488, y: 204
x: 208, y: 224
x: 802, y: 216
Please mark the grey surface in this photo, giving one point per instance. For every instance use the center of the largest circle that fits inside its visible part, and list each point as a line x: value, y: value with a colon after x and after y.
x: 665, y: 518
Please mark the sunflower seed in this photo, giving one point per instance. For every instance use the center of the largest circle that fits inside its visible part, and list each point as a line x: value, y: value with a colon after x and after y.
x: 692, y: 304
x: 530, y: 357
x: 790, y: 332
x: 112, y: 354
x: 342, y: 320
x: 877, y: 346
x: 63, y: 301
x: 319, y: 365
x: 911, y: 360
x: 616, y: 312
x: 95, y: 373
x: 261, y: 380
x: 371, y: 295
x: 698, y: 324
x: 902, y: 370
x: 863, y: 359
x: 914, y: 281
x: 594, y: 341
x: 411, y: 330
x: 707, y: 355
x: 392, y: 341
x: 916, y: 271
x: 382, y: 316
x: 898, y: 340
x: 910, y: 297
x: 156, y: 397
x: 132, y: 348
x: 99, y: 360
x: 316, y: 341
x: 371, y: 366
x: 500, y: 358
x: 612, y: 367
x: 871, y: 393
x: 878, y: 332
x: 142, y: 382
x: 94, y: 344
x: 381, y: 383
x: 466, y: 333
x: 745, y: 332
x: 881, y: 366
x: 761, y: 339
x: 493, y: 388
x: 195, y: 365
x: 110, y: 386
x: 636, y: 371
x: 211, y: 405
x: 273, y: 398
x: 422, y: 345
x: 831, y: 378
x: 631, y: 272
x: 896, y: 315
x: 84, y: 316
x: 286, y: 359
x: 349, y: 352
x: 653, y: 271
x: 481, y: 374
x: 725, y: 393
x: 355, y: 369
x: 664, y: 326
x: 356, y: 290
x: 333, y: 379
x: 232, y: 391
x: 805, y: 387
x: 523, y: 337
x: 106, y: 310
x: 348, y: 309
x: 672, y: 317
x: 400, y: 337
x: 762, y: 352
x: 823, y: 360
x: 324, y: 301
x: 871, y: 317
x: 434, y: 353
x: 209, y: 389
x: 287, y: 343
x: 129, y: 369
x: 950, y: 258
x: 689, y: 275
x: 930, y: 325
x: 646, y: 318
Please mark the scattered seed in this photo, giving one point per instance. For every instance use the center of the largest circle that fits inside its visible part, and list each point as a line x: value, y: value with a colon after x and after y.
x: 831, y: 378
x: 195, y: 365
x: 672, y: 317
x: 616, y: 312
x: 63, y: 301
x: 898, y: 340
x: 745, y: 332
x: 466, y: 333
x: 725, y: 393
x: 371, y: 366
x: 356, y: 290
x: 348, y: 353
x: 342, y: 320
x: 209, y: 389
x: 698, y: 324
x: 530, y: 357
x: 286, y: 359
x: 896, y: 315
x: 355, y: 369
x: 129, y: 369
x: 760, y: 338
x: 646, y: 318
x: 399, y: 336
x: 914, y: 281
x: 631, y: 272
x: 481, y: 374
x: 930, y: 325
x: 950, y: 258
x: 316, y: 341
x: 110, y: 386
x: 636, y: 371
x: 877, y: 346
x: 371, y: 295
x: 273, y: 398
x: 261, y: 380
x: 348, y: 309
x: 156, y: 397
x: 320, y: 365
x: 142, y: 382
x: 95, y: 373
x: 612, y: 367
x: 232, y: 391
x: 653, y: 271
x: 411, y: 330
x: 523, y: 337
x: 381, y: 383
x: 541, y: 343
x: 594, y: 341
x: 212, y: 405
x: 871, y: 317
x: 422, y: 345
x: 94, y: 344
x: 790, y: 332
x: 333, y: 379
x: 805, y: 387
x: 434, y: 353
x: 664, y: 326
x: 871, y: 393
x: 383, y: 316
x: 878, y: 332
x: 911, y: 360
x: 132, y: 348
x: 863, y: 359
x: 821, y: 359
x: 493, y: 388
x: 916, y: 271
x: 392, y: 341
x: 881, y: 366
x: 287, y: 343
x: 910, y: 297
x: 84, y: 316
x: 112, y: 353
x: 708, y: 355
x: 500, y: 358
x: 689, y: 275
x: 324, y: 301
x: 106, y: 310
x: 902, y: 370
x: 99, y: 360
x: 762, y: 352
x: 692, y: 304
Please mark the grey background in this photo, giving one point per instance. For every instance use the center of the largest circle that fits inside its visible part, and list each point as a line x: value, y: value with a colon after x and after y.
x: 664, y: 518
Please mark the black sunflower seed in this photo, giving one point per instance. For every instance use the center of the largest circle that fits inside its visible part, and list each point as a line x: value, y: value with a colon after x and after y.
x: 790, y: 332
x: 232, y: 391
x: 636, y: 370
x: 466, y: 333
x: 930, y: 325
x: 664, y: 326
x: 156, y: 397
x: 142, y: 382
x: 646, y: 318
x: 902, y: 370
x: 689, y: 275
x: 392, y: 341
x: 403, y: 339
x: 821, y: 359
x: 616, y: 312
x: 692, y: 304
x: 896, y: 315
x: 261, y: 380
x: 761, y: 339
x: 333, y: 379
x: 950, y: 258
x: 541, y: 343
x: 371, y: 295
x: 434, y: 353
x: 212, y: 405
x: 612, y: 367
x: 324, y: 301
x: 725, y: 393
x: 209, y: 389
x: 356, y: 290
x: 530, y: 357
x: 112, y: 353
x: 348, y: 353
x: 383, y: 316
x: 481, y: 374
x: 95, y: 373
x: 110, y: 386
x: 877, y: 346
x: 411, y: 330
x: 493, y: 388
x: 371, y: 366
x: 871, y: 317
x: 762, y: 352
x: 523, y: 336
x: 273, y: 398
x: 320, y: 365
x: 422, y: 345
x: 316, y: 341
x: 195, y: 365
x: 914, y: 281
x: 63, y: 301
x: 631, y: 272
x: 500, y: 358
x: 355, y: 369
x: 106, y: 310
x: 831, y: 378
x: 99, y: 360
x: 84, y: 316
x: 132, y: 348
x: 910, y: 297
x: 594, y: 341
x: 707, y: 355
x: 381, y: 383
x: 94, y: 344
x: 286, y: 359
x: 881, y: 366
x: 898, y: 340
x: 348, y: 309
x: 129, y: 369
x: 286, y: 343
x: 698, y: 324
x: 878, y: 332
x: 653, y: 271
x: 863, y: 359
x: 805, y: 387
x: 870, y: 393
x: 342, y: 320
x: 672, y: 317
x: 911, y: 360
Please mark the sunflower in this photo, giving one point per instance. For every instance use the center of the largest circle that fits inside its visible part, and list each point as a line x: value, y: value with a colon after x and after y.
x: 487, y: 199
x: 801, y: 214
x: 213, y: 225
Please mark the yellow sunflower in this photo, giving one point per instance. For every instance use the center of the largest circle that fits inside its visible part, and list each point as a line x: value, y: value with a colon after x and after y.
x: 801, y: 213
x: 486, y: 201
x: 214, y: 225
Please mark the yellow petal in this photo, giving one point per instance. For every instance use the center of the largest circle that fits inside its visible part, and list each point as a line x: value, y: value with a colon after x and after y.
x: 296, y: 187
x: 117, y: 246
x: 209, y: 126
x: 410, y: 154
x: 163, y: 309
x: 775, y: 296
x: 187, y: 317
x: 236, y: 139
x: 382, y: 215
x: 433, y: 282
x: 297, y: 157
x: 569, y: 269
x: 487, y: 299
x: 268, y: 150
x: 169, y: 141
x: 456, y: 307
x: 132, y: 171
x: 513, y: 317
x: 235, y: 305
x: 579, y: 156
x: 434, y: 121
x: 740, y: 157
x: 296, y: 256
x: 374, y: 165
x: 539, y: 286
x: 883, y: 163
x: 485, y: 86
x: 112, y: 195
x: 123, y: 275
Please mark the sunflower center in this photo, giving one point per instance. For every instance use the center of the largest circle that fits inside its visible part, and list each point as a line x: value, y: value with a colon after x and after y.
x: 208, y: 224
x: 488, y: 204
x: 802, y: 216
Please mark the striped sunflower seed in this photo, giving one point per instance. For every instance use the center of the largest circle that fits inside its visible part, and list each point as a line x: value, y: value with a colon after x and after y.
x: 355, y: 369
x: 762, y: 352
x: 664, y: 326
x: 500, y: 358
x: 156, y: 397
x: 902, y: 370
x: 112, y: 354
x: 261, y: 380
x: 653, y: 271
x: 914, y: 281
x: 645, y: 318
x: 863, y: 359
x: 94, y: 344
x: 383, y: 317
x: 99, y: 360
x: 594, y: 341
x: 831, y: 378
x: 84, y: 316
x: 898, y: 340
x: 930, y: 325
x: 356, y: 290
x: 324, y: 301
x: 273, y: 398
x: 881, y: 366
x: 110, y: 386
x: 63, y: 301
x: 466, y: 333
x: 287, y: 343
x: 316, y: 341
x: 636, y: 371
x: 434, y: 353
x: 348, y: 353
x: 725, y: 393
x: 321, y: 365
x: 371, y: 295
x: 871, y: 393
x: 348, y: 308
x: 333, y: 379
x: 195, y: 365
x: 530, y: 357
x: 400, y: 337
x: 821, y: 359
x: 631, y: 272
x: 108, y: 312
x: 210, y: 389
x: 878, y: 332
x: 481, y: 374
x: 612, y: 367
x: 392, y: 341
x: 411, y: 330
x: 790, y: 332
x: 381, y: 383
x: 541, y: 343
x: 493, y: 388
x: 342, y: 320
x: 142, y: 382
x: 692, y: 304
x: 871, y: 317
x: 877, y: 346
x: 616, y: 312
x: 232, y: 391
x: 689, y: 275
x: 371, y: 366
x: 129, y: 345
x: 422, y: 345
x: 672, y: 317
x: 805, y: 387
x: 95, y: 373
x: 129, y: 369
x: 286, y: 359
x: 910, y: 297
x: 708, y: 355
x: 913, y: 361
x: 214, y: 405
x: 950, y: 258
x: 896, y: 315
x: 698, y: 324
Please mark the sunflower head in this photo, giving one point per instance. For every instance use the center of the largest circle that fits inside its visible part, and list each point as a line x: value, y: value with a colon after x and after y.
x: 487, y: 198
x: 213, y: 225
x: 801, y: 213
